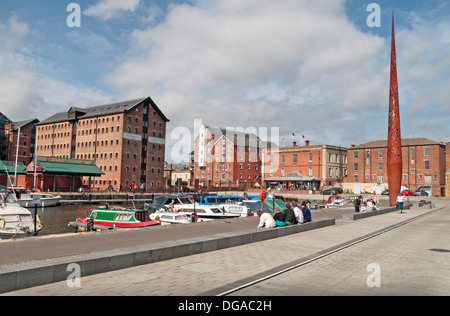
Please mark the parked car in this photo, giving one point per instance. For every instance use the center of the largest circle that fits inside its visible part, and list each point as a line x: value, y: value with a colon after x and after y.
x: 332, y: 191
x: 407, y: 192
x: 385, y: 192
x: 420, y: 192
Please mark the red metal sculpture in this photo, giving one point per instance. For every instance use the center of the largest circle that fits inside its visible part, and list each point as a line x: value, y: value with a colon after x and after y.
x: 394, y: 143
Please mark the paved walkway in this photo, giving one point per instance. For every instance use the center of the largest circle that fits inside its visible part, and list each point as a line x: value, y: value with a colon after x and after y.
x: 56, y: 246
x: 414, y: 260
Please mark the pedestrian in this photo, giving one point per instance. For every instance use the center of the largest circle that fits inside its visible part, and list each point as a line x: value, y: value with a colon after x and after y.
x: 265, y: 220
x: 289, y: 215
x: 279, y: 218
x: 358, y: 203
x: 298, y: 213
x: 400, y: 200
x: 306, y: 213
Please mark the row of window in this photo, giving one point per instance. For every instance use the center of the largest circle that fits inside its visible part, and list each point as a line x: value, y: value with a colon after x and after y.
x: 380, y: 178
x: 426, y: 166
x: 426, y: 153
x: 223, y: 175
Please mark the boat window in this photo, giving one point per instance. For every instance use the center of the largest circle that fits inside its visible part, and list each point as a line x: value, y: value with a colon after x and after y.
x: 122, y: 217
x: 10, y: 218
x: 26, y: 218
x: 166, y: 217
x: 216, y: 210
x: 179, y: 217
x: 184, y: 200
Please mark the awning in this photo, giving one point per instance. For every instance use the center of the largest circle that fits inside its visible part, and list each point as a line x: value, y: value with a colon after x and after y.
x: 66, y: 166
x: 292, y: 177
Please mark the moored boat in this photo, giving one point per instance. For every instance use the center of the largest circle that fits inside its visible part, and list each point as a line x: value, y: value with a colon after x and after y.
x: 171, y: 218
x: 14, y: 219
x: 205, y: 212
x: 29, y: 200
x: 116, y: 218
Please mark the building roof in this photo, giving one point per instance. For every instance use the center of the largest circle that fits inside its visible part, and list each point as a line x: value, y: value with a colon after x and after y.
x: 418, y: 141
x: 101, y: 110
x: 21, y: 124
x: 239, y: 138
x: 10, y: 167
x: 67, y: 166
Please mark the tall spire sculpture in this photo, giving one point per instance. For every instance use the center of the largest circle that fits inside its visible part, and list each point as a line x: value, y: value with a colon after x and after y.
x: 394, y: 143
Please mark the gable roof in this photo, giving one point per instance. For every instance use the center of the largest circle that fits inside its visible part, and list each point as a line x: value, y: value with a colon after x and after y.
x: 238, y: 138
x: 100, y: 110
x: 21, y: 124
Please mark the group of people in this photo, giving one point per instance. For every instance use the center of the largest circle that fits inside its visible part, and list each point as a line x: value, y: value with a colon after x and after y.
x: 361, y: 206
x: 290, y: 216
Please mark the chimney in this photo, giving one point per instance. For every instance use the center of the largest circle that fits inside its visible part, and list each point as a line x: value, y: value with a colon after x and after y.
x: 352, y: 145
x: 306, y: 142
x: 294, y: 143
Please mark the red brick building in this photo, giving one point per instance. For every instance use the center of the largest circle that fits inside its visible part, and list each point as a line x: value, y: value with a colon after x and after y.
x: 26, y: 140
x: 125, y: 139
x: 424, y: 166
x: 227, y: 158
x: 304, y: 167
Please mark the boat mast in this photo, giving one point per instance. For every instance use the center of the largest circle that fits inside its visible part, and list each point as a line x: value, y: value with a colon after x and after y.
x: 35, y: 157
x: 17, y: 157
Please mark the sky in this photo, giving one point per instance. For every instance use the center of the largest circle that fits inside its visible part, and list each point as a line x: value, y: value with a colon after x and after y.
x: 279, y: 67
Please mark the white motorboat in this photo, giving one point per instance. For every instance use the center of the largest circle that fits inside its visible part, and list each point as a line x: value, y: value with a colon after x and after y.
x: 14, y: 219
x: 205, y: 212
x: 29, y: 200
x: 170, y: 217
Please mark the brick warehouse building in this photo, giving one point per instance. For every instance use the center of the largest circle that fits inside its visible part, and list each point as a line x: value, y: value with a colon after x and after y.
x: 227, y: 159
x: 125, y: 139
x: 26, y: 140
x: 304, y: 167
x: 424, y: 166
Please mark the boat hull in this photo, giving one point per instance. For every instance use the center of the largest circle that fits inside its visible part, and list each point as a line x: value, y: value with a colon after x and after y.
x: 122, y: 224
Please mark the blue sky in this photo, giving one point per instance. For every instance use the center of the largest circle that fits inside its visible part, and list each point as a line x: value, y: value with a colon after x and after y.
x: 309, y: 67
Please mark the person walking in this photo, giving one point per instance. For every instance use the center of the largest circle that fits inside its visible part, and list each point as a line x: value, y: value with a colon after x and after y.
x: 400, y: 201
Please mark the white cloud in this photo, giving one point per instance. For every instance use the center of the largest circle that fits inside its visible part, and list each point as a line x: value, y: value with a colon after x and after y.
x: 423, y: 58
x: 290, y: 63
x: 26, y: 92
x: 107, y: 9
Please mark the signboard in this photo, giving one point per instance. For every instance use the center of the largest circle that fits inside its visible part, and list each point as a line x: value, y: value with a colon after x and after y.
x: 135, y: 137
x: 155, y: 140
